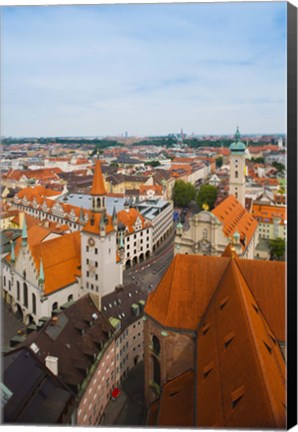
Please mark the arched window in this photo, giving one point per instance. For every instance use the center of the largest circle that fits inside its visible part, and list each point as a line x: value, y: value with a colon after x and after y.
x: 70, y: 298
x: 33, y: 303
x: 205, y: 233
x: 236, y: 174
x: 18, y: 291
x: 156, y: 370
x: 156, y: 344
x: 98, y: 202
x: 55, y: 306
x: 25, y: 294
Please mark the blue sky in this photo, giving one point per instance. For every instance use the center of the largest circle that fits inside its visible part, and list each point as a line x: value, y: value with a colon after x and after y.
x: 145, y: 69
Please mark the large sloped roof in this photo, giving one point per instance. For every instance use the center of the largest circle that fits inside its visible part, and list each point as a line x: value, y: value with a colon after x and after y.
x: 240, y: 380
x: 177, y: 402
x: 234, y: 218
x: 183, y: 294
x: 98, y: 187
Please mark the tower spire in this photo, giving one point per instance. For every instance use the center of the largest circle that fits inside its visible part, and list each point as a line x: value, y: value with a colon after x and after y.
x: 98, y: 190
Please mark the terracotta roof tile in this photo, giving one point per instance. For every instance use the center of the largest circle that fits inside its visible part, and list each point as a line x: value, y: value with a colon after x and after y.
x: 183, y: 294
x: 266, y: 213
x: 234, y: 217
x: 129, y: 217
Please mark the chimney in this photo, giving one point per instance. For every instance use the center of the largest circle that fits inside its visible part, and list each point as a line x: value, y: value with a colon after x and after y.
x: 52, y: 364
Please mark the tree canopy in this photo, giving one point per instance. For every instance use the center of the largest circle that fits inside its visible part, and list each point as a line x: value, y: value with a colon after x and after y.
x: 277, y: 249
x: 183, y: 193
x: 219, y: 162
x: 207, y: 195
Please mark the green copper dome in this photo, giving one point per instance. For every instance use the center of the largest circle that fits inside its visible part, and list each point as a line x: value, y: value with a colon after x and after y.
x: 237, y: 146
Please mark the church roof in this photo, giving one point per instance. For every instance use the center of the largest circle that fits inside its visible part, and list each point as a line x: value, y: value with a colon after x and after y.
x: 240, y: 371
x: 98, y: 187
x: 240, y: 379
x: 234, y: 218
x: 182, y: 296
x: 176, y: 407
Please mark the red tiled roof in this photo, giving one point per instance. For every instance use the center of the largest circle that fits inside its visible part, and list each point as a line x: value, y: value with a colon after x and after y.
x: 266, y: 213
x: 234, y: 218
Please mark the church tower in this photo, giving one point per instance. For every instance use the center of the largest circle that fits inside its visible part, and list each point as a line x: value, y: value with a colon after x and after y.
x: 101, y: 267
x: 237, y: 169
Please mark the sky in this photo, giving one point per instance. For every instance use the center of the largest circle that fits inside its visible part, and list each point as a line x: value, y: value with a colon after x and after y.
x: 104, y: 70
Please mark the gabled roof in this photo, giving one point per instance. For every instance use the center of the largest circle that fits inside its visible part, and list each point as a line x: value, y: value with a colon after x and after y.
x: 61, y: 257
x: 98, y: 187
x: 76, y: 336
x: 240, y: 369
x: 128, y: 218
x: 37, y: 396
x: 234, y: 217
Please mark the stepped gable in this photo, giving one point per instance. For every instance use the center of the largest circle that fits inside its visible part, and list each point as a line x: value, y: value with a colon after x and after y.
x: 98, y: 187
x: 181, y: 298
x: 61, y: 257
x: 240, y: 380
x: 234, y: 217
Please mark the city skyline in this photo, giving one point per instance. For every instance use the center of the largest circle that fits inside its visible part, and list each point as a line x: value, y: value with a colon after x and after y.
x: 146, y: 69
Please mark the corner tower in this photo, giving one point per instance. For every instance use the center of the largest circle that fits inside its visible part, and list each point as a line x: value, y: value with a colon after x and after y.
x: 237, y: 169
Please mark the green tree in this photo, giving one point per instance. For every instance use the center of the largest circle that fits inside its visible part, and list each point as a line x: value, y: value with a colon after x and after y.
x: 277, y: 249
x: 207, y: 195
x: 183, y: 193
x: 279, y: 166
x: 153, y: 163
x: 219, y: 162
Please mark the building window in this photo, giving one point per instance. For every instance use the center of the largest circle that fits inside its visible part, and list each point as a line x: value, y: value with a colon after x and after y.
x: 156, y: 370
x: 96, y: 251
x: 55, y: 306
x: 70, y: 298
x: 18, y: 291
x: 156, y: 344
x: 25, y: 293
x: 34, y: 303
x: 87, y: 248
x: 236, y: 174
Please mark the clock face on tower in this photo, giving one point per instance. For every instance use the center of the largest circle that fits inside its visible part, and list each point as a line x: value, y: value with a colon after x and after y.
x: 91, y: 241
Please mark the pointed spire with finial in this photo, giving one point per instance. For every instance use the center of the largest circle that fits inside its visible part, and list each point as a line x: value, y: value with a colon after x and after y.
x: 237, y: 135
x: 12, y: 254
x: 114, y: 218
x: 24, y: 233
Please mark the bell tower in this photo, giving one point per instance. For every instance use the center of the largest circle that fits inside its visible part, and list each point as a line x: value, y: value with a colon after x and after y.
x: 237, y: 169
